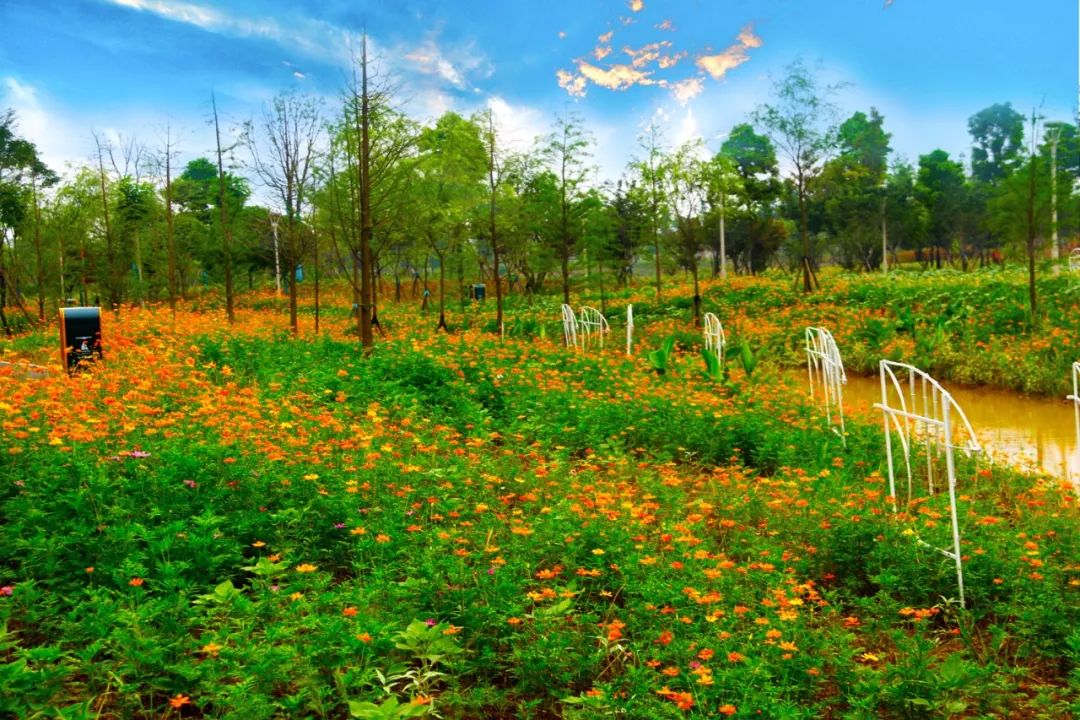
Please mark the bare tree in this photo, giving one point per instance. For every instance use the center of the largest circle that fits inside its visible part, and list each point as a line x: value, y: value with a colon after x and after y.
x: 291, y: 126
x: 112, y: 277
x: 170, y: 236
x: 568, y: 149
x: 801, y: 121
x: 226, y: 229
x: 495, y: 179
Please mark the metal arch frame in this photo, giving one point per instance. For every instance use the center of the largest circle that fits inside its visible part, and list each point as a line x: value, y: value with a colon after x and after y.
x: 1074, y: 259
x: 936, y: 418
x: 824, y: 363
x: 592, y: 322
x: 715, y: 339
x: 629, y: 329
x: 569, y: 326
x: 1075, y: 397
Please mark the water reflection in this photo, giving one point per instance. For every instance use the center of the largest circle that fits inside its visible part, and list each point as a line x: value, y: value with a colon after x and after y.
x: 1030, y: 432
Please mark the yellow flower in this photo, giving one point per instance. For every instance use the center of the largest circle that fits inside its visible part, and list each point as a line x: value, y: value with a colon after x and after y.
x: 306, y: 568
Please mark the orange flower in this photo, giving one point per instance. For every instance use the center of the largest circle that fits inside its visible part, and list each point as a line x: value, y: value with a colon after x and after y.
x: 179, y: 701
x: 350, y: 612
x: 364, y: 637
x: 735, y: 657
x: 727, y: 709
x: 136, y: 582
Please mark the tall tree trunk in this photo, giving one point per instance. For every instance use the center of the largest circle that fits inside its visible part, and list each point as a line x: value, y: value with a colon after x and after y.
x: 367, y: 276
x: 226, y: 231
x: 491, y: 220
x: 316, y: 258
x: 37, y: 250
x: 804, y: 229
x: 170, y: 238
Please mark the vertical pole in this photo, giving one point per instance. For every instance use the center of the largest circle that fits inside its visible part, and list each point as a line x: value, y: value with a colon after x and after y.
x: 1055, y: 250
x: 1076, y: 401
x: 884, y: 241
x: 277, y: 256
x: 888, y: 436
x: 952, y: 498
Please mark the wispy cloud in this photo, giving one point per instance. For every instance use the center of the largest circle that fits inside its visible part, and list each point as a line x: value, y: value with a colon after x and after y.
x: 666, y: 26
x: 731, y: 57
x: 313, y: 38
x: 453, y: 65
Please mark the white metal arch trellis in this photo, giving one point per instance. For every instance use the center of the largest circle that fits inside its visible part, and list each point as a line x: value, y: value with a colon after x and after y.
x: 919, y: 409
x: 629, y: 329
x: 1075, y: 397
x: 569, y: 326
x: 715, y: 339
x: 592, y: 324
x: 1074, y: 259
x: 825, y: 368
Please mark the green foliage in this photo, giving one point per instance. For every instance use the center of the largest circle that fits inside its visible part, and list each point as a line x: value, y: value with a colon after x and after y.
x: 660, y: 358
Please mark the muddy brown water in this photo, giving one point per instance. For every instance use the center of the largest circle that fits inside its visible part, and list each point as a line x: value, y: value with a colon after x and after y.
x: 1033, y: 433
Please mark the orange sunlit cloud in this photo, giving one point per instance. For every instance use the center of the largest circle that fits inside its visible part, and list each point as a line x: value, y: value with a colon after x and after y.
x: 647, y: 53
x: 573, y: 84
x: 731, y: 57
x: 601, y: 51
x: 616, y: 77
x: 685, y: 90
x: 666, y: 25
x: 606, y: 37
x: 670, y: 61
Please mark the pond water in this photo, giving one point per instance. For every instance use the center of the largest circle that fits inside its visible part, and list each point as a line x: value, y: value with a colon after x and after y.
x: 1035, y: 433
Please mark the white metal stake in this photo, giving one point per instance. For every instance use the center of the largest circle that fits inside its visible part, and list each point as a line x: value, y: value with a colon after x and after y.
x: 629, y: 328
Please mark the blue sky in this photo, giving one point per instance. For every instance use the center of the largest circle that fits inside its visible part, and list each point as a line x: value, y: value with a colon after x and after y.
x: 696, y: 66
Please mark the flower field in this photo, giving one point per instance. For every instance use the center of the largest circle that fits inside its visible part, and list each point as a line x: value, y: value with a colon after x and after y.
x: 228, y: 522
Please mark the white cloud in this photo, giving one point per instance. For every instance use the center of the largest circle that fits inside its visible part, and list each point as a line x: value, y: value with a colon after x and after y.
x: 58, y: 141
x: 686, y: 90
x: 313, y: 38
x: 518, y: 126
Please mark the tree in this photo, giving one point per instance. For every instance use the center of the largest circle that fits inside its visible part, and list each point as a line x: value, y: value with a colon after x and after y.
x: 852, y: 185
x: 940, y: 188
x: 800, y: 121
x: 686, y: 176
x: 291, y: 127
x: 496, y: 173
x: 1018, y: 211
x: 754, y: 232
x: 905, y: 216
x: 630, y: 217
x: 567, y: 151
x: 997, y: 134
x: 452, y: 164
x: 649, y: 178
x: 224, y: 214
